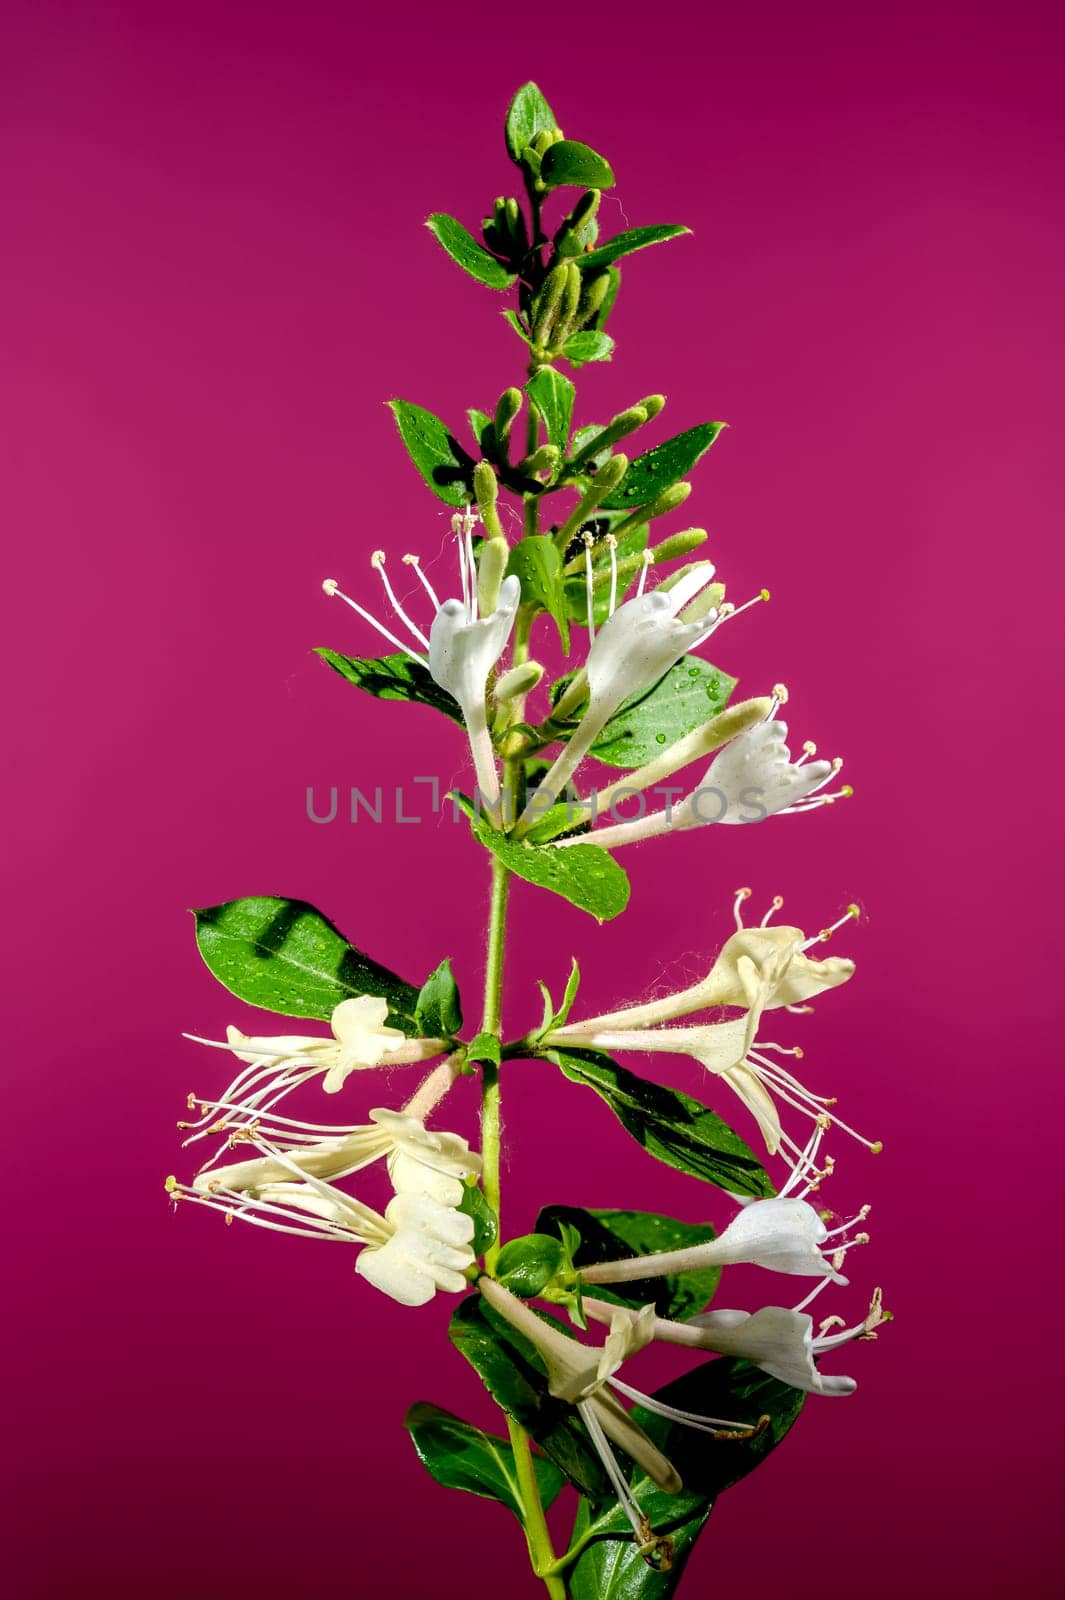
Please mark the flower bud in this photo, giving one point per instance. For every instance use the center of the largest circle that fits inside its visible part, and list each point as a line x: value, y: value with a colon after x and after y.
x: 595, y: 290
x: 491, y: 565
x: 680, y: 544
x: 652, y: 404
x: 486, y: 490
x: 518, y: 681
x: 547, y: 302
x: 543, y: 460
x: 507, y: 409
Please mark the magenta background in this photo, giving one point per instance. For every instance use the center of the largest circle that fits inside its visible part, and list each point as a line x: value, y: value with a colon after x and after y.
x: 213, y: 274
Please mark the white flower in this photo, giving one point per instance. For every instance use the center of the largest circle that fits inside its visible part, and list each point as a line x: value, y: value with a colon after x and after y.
x: 277, y: 1064
x: 420, y: 1161
x: 634, y: 648
x: 415, y: 1248
x: 751, y: 779
x: 428, y: 1250
x: 462, y: 647
x: 781, y: 1234
x: 586, y: 1376
x: 780, y: 1342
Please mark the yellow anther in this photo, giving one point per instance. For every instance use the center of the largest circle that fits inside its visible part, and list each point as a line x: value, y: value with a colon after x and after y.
x: 330, y: 585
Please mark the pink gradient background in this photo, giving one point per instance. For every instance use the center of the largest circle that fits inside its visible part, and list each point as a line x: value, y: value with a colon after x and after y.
x: 213, y: 273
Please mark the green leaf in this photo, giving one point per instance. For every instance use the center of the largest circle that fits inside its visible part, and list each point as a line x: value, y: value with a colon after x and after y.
x: 516, y: 323
x: 485, y: 1047
x: 472, y: 257
x: 624, y: 244
x: 584, y: 874
x: 557, y: 1019
x: 479, y: 422
x: 670, y: 1126
x: 284, y: 956
x: 570, y: 162
x: 616, y: 1235
x: 460, y: 1456
x: 537, y: 564
x: 485, y: 1222
x: 660, y: 468
x: 611, y: 1568
x: 581, y: 348
x: 528, y: 115
x: 436, y: 453
x: 514, y: 1374
x: 394, y: 677
x: 439, y: 1009
x: 691, y: 692
x: 552, y: 393
x: 528, y: 1264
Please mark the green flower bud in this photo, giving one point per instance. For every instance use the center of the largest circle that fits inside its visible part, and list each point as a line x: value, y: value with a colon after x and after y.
x: 547, y: 302
x: 543, y: 460
x: 652, y: 404
x: 491, y: 566
x: 518, y: 681
x: 507, y: 409
x: 680, y: 544
x: 594, y: 292
x: 486, y: 490
x: 605, y: 482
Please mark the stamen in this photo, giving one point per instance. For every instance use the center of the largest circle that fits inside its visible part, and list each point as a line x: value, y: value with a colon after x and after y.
x: 717, y: 1426
x: 589, y: 583
x: 377, y: 561
x: 779, y: 698
x: 648, y: 559
x: 852, y: 913
x: 809, y: 749
x: 776, y: 904
x: 627, y: 1500
x: 412, y: 561
x: 612, y: 546
x: 740, y: 897
x: 331, y: 587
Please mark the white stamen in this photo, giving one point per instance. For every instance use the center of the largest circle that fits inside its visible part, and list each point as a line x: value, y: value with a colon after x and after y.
x: 627, y: 1500
x: 412, y: 561
x: 648, y: 563
x: 775, y: 905
x: 330, y: 587
x: 689, y: 1418
x: 377, y: 561
x: 589, y: 584
x: 612, y: 546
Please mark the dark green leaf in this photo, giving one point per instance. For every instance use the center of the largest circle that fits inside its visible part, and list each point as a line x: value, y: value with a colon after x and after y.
x: 528, y: 115
x: 552, y: 393
x: 472, y: 257
x: 485, y: 1222
x: 439, y: 1010
x: 460, y: 1456
x: 514, y: 1374
x: 590, y: 345
x: 616, y: 1235
x: 528, y: 1264
x: 570, y: 162
x: 538, y: 565
x: 611, y: 1568
x: 668, y: 1124
x: 662, y: 467
x: 623, y: 244
x: 436, y: 453
x: 394, y: 677
x: 690, y: 694
x: 284, y: 956
x: 583, y: 874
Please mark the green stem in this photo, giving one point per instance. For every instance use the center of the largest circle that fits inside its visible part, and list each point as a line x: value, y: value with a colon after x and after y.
x: 493, y: 1007
x: 541, y: 1550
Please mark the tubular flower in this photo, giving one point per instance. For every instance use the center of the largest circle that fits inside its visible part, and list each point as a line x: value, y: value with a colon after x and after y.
x: 751, y: 779
x: 759, y: 969
x: 420, y: 1161
x: 462, y: 647
x: 729, y: 1050
x: 639, y: 642
x: 585, y: 1376
x: 415, y: 1248
x: 782, y: 1234
x: 275, y: 1066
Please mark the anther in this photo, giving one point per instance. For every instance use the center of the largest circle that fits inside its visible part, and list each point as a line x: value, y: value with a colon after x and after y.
x: 780, y: 694
x: 330, y: 586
